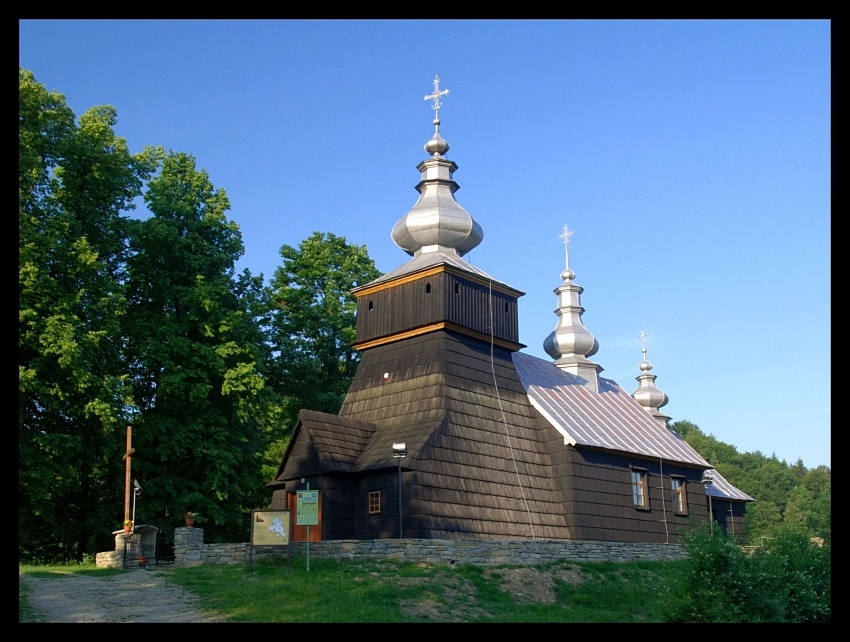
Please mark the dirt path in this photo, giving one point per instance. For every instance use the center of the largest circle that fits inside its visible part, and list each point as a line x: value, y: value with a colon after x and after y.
x: 135, y: 596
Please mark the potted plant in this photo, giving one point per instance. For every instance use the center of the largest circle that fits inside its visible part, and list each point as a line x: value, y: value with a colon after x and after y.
x: 128, y: 525
x: 143, y: 563
x: 190, y: 517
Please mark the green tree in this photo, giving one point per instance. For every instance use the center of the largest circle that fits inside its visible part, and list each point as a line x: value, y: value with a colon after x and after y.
x: 313, y: 325
x: 818, y: 481
x: 783, y: 492
x: 195, y: 351
x: 74, y: 183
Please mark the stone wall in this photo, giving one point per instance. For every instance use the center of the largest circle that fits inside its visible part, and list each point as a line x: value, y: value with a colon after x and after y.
x: 190, y: 550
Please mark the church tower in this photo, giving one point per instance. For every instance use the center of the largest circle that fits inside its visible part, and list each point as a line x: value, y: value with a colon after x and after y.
x: 437, y: 289
x: 570, y: 343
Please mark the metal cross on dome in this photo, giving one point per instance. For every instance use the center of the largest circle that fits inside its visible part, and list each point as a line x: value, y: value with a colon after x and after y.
x: 436, y: 96
x: 565, y: 236
x: 642, y: 337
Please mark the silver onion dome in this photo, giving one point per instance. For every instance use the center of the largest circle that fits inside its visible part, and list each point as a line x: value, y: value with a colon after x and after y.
x: 437, y: 222
x: 647, y: 393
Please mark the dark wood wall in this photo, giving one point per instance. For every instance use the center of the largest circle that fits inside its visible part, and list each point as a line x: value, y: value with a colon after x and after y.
x: 599, y: 501
x: 436, y: 298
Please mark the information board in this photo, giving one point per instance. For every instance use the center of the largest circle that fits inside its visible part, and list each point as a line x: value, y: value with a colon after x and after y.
x: 307, y: 513
x: 270, y: 527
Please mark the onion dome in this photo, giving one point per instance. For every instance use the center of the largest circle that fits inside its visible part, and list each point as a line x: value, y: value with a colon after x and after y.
x: 570, y: 343
x: 437, y: 223
x: 647, y: 394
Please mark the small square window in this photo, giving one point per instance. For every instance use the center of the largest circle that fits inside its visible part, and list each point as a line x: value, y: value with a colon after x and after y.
x: 680, y: 499
x: 374, y: 502
x: 639, y: 494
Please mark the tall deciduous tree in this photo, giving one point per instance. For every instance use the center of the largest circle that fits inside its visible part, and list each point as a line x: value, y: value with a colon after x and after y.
x: 313, y: 324
x: 195, y: 353
x: 74, y: 183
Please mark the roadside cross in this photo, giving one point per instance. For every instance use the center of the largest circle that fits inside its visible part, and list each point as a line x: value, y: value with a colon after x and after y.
x: 128, y: 455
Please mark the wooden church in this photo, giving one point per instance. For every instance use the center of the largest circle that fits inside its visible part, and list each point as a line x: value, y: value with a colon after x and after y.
x: 450, y: 431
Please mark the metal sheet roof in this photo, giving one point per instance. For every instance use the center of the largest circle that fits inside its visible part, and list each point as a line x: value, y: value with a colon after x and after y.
x: 724, y: 490
x: 428, y: 260
x: 609, y: 419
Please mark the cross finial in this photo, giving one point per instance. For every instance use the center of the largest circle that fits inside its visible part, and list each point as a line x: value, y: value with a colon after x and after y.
x: 565, y: 236
x: 436, y: 95
x: 642, y: 337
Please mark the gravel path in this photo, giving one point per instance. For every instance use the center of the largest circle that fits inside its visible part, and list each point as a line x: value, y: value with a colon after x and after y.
x: 135, y: 596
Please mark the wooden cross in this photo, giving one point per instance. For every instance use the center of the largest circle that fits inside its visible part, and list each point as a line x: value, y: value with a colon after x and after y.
x: 127, y: 458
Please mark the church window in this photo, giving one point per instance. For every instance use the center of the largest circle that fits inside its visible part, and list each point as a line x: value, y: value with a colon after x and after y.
x: 680, y: 501
x: 427, y: 288
x: 374, y: 502
x: 639, y: 495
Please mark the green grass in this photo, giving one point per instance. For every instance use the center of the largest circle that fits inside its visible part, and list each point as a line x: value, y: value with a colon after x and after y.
x: 360, y: 591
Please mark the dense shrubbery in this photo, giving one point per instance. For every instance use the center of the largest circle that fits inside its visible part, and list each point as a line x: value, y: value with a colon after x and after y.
x: 787, y: 578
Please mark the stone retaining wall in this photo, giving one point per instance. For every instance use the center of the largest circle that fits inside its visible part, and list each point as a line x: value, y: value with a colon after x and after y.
x: 190, y: 550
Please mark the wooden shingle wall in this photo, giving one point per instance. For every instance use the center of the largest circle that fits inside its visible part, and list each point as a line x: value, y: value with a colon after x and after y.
x: 480, y: 469
x: 483, y: 463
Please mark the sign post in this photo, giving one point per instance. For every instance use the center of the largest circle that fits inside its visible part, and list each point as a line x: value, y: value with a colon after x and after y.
x: 307, y: 513
x: 269, y: 528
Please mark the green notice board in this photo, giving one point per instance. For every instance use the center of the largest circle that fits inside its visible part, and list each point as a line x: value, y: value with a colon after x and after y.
x: 307, y: 513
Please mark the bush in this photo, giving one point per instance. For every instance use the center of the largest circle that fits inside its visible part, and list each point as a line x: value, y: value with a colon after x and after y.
x: 787, y: 579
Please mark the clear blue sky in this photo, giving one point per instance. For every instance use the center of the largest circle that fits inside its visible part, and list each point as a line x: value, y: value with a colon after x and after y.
x: 691, y: 158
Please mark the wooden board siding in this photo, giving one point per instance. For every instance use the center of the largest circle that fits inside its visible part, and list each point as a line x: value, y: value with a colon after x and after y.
x: 600, y: 506
x: 732, y: 517
x: 436, y: 298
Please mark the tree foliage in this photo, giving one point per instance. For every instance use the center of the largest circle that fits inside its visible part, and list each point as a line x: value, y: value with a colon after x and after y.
x: 313, y: 321
x: 195, y: 355
x: 787, y: 578
x: 74, y: 182
x: 785, y: 494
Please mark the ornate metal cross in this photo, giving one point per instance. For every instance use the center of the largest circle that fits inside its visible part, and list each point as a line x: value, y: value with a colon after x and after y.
x: 436, y: 96
x: 565, y: 236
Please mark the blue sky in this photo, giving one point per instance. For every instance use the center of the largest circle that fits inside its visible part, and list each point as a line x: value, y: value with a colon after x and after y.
x: 690, y: 157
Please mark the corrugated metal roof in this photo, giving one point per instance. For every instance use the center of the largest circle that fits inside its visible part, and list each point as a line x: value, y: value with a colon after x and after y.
x: 611, y: 419
x: 724, y: 490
